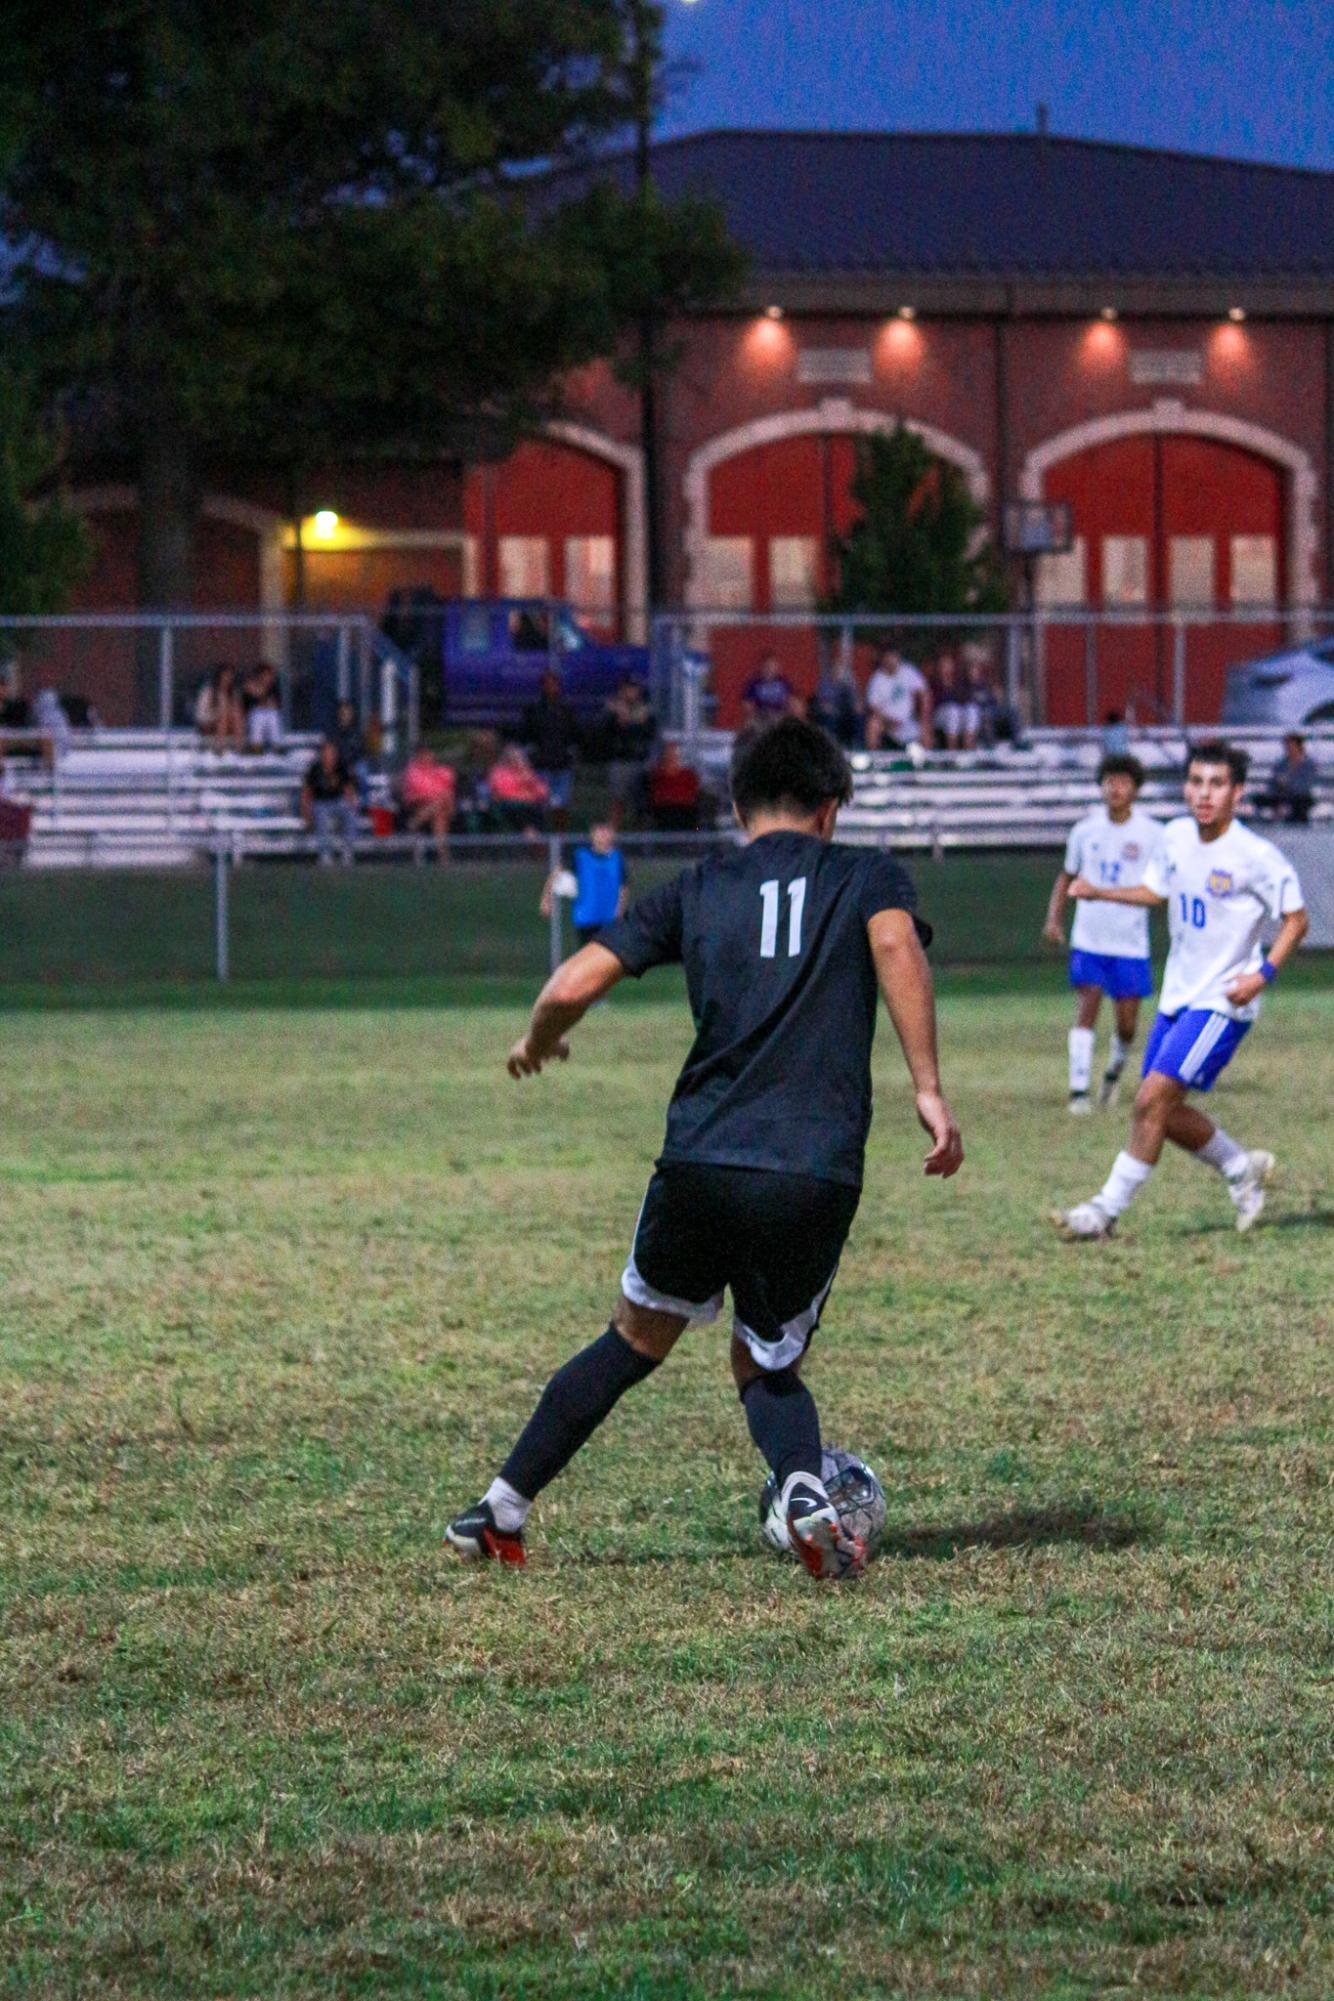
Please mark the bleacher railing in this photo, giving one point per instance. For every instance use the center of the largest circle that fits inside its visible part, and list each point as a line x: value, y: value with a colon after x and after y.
x: 1062, y: 665
x: 144, y: 670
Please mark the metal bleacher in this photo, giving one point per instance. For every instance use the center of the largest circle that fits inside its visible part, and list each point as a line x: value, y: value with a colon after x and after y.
x: 1010, y: 797
x: 137, y: 798
x: 127, y: 798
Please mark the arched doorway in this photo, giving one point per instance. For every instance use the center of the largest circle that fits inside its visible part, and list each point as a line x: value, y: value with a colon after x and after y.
x: 562, y: 516
x: 763, y: 503
x: 1195, y: 520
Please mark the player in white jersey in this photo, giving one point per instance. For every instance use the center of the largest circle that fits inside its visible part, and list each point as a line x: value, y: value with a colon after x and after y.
x: 1109, y: 944
x: 1220, y: 883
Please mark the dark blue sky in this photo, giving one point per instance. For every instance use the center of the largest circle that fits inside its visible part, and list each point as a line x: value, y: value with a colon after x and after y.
x: 1250, y: 78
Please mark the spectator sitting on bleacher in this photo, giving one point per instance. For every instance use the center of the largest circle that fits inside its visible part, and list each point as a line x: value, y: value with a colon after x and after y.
x: 836, y: 704
x: 329, y: 802
x: 518, y: 795
x: 768, y: 693
x: 219, y: 715
x: 48, y: 716
x: 956, y: 715
x: 674, y: 793
x: 1290, y: 794
x: 996, y: 720
x: 898, y: 704
x: 429, y: 793
x: 1115, y: 734
x: 263, y: 711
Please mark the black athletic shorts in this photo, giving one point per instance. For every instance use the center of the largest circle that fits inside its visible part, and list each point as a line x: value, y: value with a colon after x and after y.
x: 775, y: 1239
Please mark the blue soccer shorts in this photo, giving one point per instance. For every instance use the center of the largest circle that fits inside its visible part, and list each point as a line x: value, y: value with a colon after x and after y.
x: 1193, y: 1046
x: 1122, y: 979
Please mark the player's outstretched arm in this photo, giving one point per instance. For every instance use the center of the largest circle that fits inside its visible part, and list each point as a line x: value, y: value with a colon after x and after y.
x: 1085, y: 891
x: 585, y: 977
x: 905, y: 981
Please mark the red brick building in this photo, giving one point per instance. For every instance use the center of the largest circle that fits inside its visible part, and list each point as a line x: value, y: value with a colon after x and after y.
x: 1148, y: 336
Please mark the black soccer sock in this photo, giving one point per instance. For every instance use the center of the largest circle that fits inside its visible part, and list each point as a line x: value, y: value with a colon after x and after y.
x: 784, y: 1423
x: 571, y: 1408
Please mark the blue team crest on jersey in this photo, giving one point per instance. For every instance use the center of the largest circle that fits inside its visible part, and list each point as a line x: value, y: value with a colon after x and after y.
x: 1220, y: 882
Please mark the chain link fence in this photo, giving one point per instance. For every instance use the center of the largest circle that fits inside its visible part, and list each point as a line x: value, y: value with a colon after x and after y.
x: 288, y: 922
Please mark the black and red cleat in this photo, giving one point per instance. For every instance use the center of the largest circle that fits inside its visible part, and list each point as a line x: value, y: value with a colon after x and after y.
x: 476, y: 1538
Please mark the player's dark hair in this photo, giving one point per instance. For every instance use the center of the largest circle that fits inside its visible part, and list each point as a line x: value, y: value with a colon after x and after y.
x: 792, y: 765
x: 1214, y: 750
x: 1120, y: 764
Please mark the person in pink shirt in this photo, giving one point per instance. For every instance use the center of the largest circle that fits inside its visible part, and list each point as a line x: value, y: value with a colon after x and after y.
x: 428, y: 793
x: 518, y: 794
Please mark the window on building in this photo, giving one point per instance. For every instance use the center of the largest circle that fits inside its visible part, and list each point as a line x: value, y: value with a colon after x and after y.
x: 1125, y: 569
x: 590, y: 575
x: 793, y: 572
x: 726, y: 584
x: 524, y: 571
x: 1062, y: 577
x: 1190, y: 569
x: 1254, y: 570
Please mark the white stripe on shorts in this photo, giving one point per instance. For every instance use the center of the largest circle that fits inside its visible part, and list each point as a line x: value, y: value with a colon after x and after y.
x: 1197, y: 1055
x: 794, y: 1333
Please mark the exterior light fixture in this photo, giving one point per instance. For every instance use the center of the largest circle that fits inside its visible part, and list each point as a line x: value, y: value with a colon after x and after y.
x: 1109, y: 313
x: 326, y: 521
x: 773, y: 312
x: 907, y: 312
x: 1236, y: 312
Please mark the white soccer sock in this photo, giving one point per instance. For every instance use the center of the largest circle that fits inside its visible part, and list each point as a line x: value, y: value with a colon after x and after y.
x: 507, y: 1505
x: 1223, y: 1153
x: 1116, y: 1055
x: 1123, y: 1184
x: 1081, y: 1058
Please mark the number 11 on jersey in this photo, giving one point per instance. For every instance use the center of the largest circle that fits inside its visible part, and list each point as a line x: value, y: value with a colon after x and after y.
x: 769, y: 900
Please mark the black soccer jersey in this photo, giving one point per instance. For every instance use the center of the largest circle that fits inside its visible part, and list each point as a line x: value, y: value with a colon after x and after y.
x: 783, y: 990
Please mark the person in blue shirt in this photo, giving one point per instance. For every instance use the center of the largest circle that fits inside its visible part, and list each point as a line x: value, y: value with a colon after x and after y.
x: 598, y: 882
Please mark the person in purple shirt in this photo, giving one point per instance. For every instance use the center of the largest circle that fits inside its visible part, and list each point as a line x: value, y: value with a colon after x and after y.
x: 768, y: 693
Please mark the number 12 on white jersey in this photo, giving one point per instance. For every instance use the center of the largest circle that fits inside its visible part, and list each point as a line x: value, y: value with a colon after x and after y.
x: 769, y: 899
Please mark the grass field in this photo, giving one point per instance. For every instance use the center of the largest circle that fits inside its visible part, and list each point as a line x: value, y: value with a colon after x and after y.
x: 275, y: 1287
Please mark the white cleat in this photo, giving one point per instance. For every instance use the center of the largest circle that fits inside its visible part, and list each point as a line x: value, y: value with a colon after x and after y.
x: 1080, y: 1104
x: 1248, y: 1190
x: 1087, y: 1221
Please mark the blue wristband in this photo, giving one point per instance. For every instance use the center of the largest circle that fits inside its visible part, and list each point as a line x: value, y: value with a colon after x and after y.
x: 1268, y: 971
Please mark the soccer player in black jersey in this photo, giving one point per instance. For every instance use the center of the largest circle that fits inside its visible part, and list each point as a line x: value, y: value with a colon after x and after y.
x: 786, y: 942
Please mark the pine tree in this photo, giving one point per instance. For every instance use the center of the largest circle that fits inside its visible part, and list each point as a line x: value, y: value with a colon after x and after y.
x: 918, y: 543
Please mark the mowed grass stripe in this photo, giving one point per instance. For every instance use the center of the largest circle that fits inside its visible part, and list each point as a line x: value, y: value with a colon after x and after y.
x: 275, y: 1287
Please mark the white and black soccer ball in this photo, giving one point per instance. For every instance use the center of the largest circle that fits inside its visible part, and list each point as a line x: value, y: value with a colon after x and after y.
x: 854, y: 1491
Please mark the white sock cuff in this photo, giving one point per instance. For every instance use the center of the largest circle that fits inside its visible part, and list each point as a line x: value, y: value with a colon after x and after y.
x: 1127, y: 1177
x: 1081, y: 1044
x: 1223, y: 1153
x: 507, y: 1504
x: 1120, y: 1047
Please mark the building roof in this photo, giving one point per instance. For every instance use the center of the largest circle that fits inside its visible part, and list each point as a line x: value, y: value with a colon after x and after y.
x: 1021, y: 205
